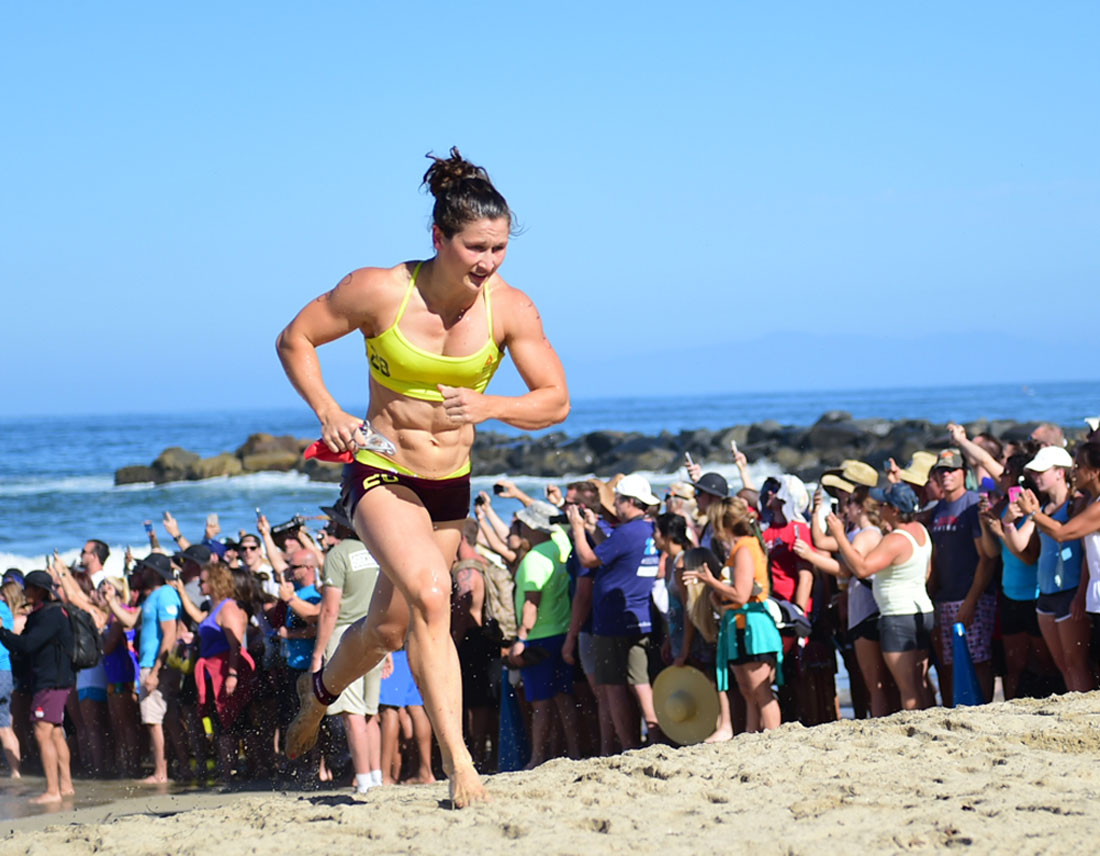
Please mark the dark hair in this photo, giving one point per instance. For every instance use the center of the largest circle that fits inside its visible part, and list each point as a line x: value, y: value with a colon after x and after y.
x: 696, y: 557
x: 587, y: 494
x: 1089, y: 454
x: 463, y: 193
x: 673, y: 527
x: 991, y: 444
x: 249, y: 591
x: 861, y: 496
x: 101, y: 550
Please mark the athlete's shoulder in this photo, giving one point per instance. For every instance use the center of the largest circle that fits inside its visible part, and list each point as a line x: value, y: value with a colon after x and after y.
x: 512, y: 305
x: 369, y: 295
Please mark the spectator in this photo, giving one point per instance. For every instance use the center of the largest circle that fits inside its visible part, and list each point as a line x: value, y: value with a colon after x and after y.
x: 749, y: 644
x: 158, y: 616
x: 8, y: 740
x: 121, y: 668
x: 709, y: 487
x: 962, y: 576
x: 252, y: 559
x: 399, y: 702
x: 1048, y: 434
x: 543, y: 613
x: 899, y: 565
x: 625, y: 566
x: 47, y: 642
x: 351, y: 574
x: 298, y: 630
x: 1061, y: 602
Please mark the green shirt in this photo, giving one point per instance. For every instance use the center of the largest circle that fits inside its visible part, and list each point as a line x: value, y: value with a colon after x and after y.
x: 351, y: 568
x: 543, y: 570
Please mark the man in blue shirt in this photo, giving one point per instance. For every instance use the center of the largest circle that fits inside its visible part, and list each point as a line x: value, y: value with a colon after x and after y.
x: 627, y: 564
x: 158, y: 615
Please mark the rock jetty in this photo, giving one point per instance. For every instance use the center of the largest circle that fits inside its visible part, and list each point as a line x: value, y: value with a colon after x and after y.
x: 804, y: 451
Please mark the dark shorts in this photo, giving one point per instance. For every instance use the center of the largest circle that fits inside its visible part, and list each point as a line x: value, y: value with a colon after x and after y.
x: 49, y: 705
x: 480, y: 660
x: 443, y: 499
x: 6, y: 688
x: 745, y: 659
x: 1057, y: 604
x: 1018, y: 616
x: 551, y: 675
x: 898, y: 633
x: 866, y: 629
x: 622, y: 660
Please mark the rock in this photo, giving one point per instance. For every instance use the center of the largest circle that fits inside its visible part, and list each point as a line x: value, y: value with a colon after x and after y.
x: 224, y: 464
x: 834, y: 416
x: 761, y: 431
x: 259, y: 444
x: 320, y: 471
x: 135, y: 475
x: 835, y: 436
x: 278, y: 461
x: 172, y: 464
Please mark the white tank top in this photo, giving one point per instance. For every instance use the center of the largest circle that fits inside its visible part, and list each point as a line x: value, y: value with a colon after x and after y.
x: 900, y: 589
x: 1092, y: 561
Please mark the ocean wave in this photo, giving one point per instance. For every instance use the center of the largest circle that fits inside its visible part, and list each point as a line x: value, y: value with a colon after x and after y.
x: 52, y: 484
x: 112, y: 568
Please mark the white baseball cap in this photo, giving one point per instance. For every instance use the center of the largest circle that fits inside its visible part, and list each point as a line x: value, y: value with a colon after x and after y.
x: 1049, y: 456
x: 637, y: 486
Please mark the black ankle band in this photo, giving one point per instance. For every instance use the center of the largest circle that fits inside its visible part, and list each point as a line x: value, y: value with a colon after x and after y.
x: 323, y: 696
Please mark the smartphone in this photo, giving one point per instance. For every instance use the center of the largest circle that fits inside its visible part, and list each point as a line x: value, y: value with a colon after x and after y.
x: 212, y: 520
x: 259, y: 514
x: 148, y: 528
x: 1014, y: 493
x: 688, y: 458
x: 733, y: 447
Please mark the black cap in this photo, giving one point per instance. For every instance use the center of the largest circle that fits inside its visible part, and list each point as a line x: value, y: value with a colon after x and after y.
x: 714, y: 484
x: 159, y: 563
x: 42, y: 580
x: 200, y: 554
x: 337, y: 514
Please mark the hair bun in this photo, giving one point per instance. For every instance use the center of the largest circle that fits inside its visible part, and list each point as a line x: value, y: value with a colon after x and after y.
x: 445, y: 173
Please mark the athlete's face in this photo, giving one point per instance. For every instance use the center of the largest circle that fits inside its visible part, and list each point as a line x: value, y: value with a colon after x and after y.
x: 476, y: 251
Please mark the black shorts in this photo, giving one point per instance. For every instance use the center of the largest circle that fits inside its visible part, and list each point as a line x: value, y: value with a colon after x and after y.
x: 1057, y: 604
x: 866, y: 629
x: 443, y: 499
x: 1018, y: 616
x: 899, y: 633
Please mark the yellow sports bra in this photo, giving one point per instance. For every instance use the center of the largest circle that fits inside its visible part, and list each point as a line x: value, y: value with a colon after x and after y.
x: 399, y: 365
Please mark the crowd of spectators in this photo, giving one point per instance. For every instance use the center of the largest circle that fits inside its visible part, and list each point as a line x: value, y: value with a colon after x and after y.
x: 565, y: 615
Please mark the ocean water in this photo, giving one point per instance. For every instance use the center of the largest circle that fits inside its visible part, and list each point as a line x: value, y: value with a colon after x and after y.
x: 57, y: 486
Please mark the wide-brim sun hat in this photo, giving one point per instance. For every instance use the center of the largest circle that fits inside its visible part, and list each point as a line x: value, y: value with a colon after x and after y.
x: 859, y: 472
x: 686, y: 703
x: 637, y: 487
x: 1047, y: 457
x: 714, y: 484
x: 834, y: 481
x: 538, y: 516
x: 900, y: 496
x: 919, y: 469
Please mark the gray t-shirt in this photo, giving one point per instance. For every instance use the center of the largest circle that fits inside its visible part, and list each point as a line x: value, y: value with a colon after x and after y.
x: 350, y: 567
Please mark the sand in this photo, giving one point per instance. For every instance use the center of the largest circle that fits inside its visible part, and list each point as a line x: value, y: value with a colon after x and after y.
x: 1016, y: 777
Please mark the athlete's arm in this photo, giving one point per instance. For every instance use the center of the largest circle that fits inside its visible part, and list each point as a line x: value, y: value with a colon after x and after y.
x: 547, y: 401
x: 325, y: 319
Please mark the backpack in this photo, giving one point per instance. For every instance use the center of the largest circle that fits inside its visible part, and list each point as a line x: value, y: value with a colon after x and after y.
x: 87, y: 644
x: 498, y: 613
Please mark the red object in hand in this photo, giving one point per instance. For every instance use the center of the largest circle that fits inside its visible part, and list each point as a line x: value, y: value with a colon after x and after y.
x: 317, y: 449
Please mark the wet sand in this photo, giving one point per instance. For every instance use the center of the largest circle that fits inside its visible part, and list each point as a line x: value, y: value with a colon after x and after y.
x: 1016, y: 777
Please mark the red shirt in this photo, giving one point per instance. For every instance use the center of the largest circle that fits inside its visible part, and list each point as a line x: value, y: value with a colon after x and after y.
x: 782, y: 559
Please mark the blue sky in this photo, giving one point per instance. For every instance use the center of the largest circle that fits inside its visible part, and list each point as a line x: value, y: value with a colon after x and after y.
x: 715, y: 196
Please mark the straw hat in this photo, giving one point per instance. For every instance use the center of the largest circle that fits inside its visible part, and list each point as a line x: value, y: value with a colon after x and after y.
x: 607, y: 493
x: 858, y: 472
x: 919, y: 468
x: 686, y: 703
x: 832, y: 481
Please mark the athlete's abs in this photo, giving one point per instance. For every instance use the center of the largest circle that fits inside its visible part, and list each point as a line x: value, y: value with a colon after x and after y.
x: 428, y: 442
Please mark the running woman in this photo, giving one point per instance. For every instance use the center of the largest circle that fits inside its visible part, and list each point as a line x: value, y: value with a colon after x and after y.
x: 435, y: 332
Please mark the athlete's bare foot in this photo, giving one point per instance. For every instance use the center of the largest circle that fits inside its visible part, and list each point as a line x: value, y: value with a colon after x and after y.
x: 302, y: 733
x: 720, y: 736
x: 46, y: 799
x: 465, y: 787
x: 420, y: 779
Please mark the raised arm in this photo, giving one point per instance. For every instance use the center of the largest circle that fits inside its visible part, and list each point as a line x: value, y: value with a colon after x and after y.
x: 1085, y: 523
x: 975, y: 455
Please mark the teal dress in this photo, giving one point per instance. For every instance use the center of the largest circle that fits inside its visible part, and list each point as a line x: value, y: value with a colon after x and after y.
x: 760, y: 636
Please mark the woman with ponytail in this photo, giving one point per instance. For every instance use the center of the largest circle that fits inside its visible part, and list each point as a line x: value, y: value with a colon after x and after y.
x: 435, y: 332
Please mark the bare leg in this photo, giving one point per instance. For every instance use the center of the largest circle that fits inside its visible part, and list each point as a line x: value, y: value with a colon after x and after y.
x: 566, y: 706
x: 1074, y: 637
x: 622, y: 714
x: 908, y: 669
x: 11, y: 750
x: 160, y: 762
x: 1017, y: 646
x: 355, y: 726
x: 422, y: 732
x: 644, y: 694
x: 540, y: 732
x: 47, y: 749
x: 391, y: 756
x: 724, y: 730
x: 873, y: 671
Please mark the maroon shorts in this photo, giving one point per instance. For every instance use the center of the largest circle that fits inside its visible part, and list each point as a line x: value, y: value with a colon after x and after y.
x: 443, y: 499
x: 49, y: 705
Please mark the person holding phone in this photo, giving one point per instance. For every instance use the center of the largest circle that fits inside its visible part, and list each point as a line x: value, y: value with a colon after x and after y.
x: 436, y: 331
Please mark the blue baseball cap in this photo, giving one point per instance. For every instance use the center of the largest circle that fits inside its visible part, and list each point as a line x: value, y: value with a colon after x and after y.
x: 899, y: 495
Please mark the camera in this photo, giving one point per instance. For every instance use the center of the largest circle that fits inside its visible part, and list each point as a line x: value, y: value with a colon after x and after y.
x: 479, y: 500
x: 498, y: 489
x: 296, y: 522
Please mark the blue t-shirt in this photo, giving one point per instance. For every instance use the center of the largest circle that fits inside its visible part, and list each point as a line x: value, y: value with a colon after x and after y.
x: 9, y: 621
x: 1019, y: 580
x: 299, y: 652
x: 163, y: 604
x: 576, y: 570
x: 628, y: 565
x: 955, y: 526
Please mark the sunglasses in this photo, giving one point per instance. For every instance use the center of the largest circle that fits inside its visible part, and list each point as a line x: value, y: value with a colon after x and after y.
x: 298, y: 567
x: 248, y: 547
